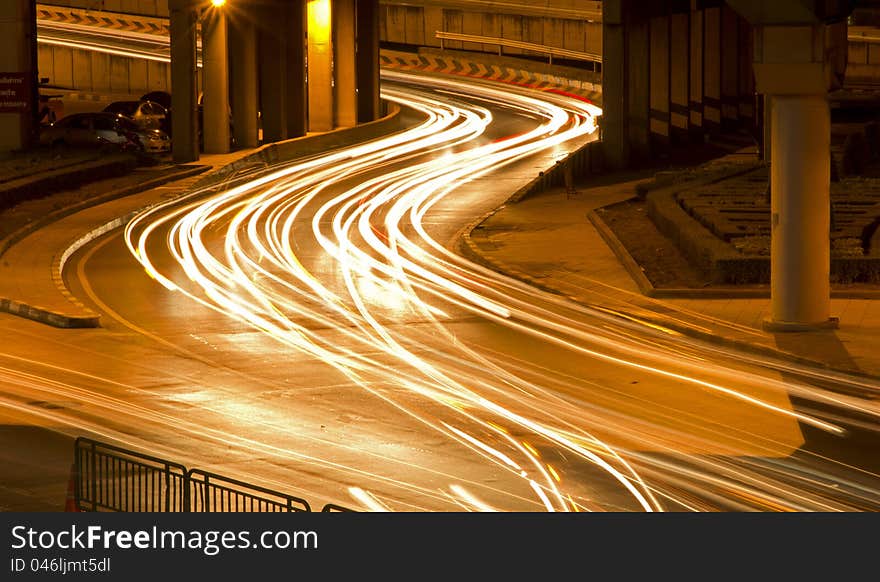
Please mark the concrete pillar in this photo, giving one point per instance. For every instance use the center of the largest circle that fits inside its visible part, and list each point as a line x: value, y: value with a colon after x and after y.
x: 243, y: 60
x: 730, y: 69
x: 625, y: 84
x: 695, y: 105
x: 282, y: 69
x: 19, y: 86
x: 296, y: 91
x: 638, y: 90
x: 766, y: 141
x: 184, y: 105
x: 793, y: 68
x: 796, y: 63
x: 679, y: 76
x: 800, y: 181
x: 320, y: 65
x: 344, y: 63
x: 712, y: 69
x: 215, y: 75
x: 613, y: 122
x: 367, y: 24
x: 659, y: 64
x: 272, y: 72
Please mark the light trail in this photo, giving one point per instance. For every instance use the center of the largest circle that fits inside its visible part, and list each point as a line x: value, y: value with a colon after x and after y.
x: 366, y: 207
x: 119, y: 43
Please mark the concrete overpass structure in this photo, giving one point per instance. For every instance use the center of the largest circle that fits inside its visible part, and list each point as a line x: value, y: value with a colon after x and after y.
x: 254, y: 62
x: 270, y: 44
x: 677, y: 69
x: 673, y: 71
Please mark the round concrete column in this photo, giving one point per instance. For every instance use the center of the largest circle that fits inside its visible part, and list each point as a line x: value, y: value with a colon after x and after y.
x: 801, y: 213
x: 320, y: 65
x: 215, y: 71
x: 243, y: 41
x: 344, y: 64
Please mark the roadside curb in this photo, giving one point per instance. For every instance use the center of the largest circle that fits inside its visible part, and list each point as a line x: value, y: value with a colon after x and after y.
x: 470, y: 250
x: 630, y: 264
x: 466, y: 245
x: 83, y: 317
x: 53, y: 318
x: 86, y: 318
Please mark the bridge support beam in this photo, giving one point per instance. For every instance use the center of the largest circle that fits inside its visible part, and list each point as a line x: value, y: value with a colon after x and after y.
x: 320, y: 59
x: 243, y: 52
x: 297, y: 103
x: 184, y: 104
x: 659, y: 79
x: 334, y: 67
x: 625, y: 84
x: 344, y: 63
x: 800, y: 206
x: 215, y: 73
x: 796, y: 64
x: 282, y: 70
x: 367, y: 23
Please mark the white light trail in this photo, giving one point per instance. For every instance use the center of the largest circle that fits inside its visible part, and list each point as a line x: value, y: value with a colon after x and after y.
x: 366, y: 207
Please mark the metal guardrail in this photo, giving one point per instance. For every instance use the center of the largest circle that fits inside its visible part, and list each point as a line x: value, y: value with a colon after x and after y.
x: 209, y: 492
x: 588, y: 10
x: 508, y: 43
x: 110, y: 478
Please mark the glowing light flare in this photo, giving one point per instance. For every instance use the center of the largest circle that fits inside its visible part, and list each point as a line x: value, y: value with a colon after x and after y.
x: 319, y: 21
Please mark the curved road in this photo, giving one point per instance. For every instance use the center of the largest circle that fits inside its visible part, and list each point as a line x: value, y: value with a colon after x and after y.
x: 310, y: 329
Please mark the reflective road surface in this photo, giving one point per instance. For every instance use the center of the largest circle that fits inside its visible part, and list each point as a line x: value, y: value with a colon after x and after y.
x: 310, y: 328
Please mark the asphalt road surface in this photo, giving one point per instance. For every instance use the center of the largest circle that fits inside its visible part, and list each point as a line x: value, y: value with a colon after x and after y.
x: 310, y: 329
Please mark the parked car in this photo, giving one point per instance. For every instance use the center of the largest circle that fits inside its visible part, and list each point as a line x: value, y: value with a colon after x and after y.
x: 104, y: 129
x: 147, y: 114
x: 163, y: 98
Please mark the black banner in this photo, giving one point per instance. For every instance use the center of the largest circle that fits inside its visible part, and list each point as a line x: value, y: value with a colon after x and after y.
x: 372, y: 546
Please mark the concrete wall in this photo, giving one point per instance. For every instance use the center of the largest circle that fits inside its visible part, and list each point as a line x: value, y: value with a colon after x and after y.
x: 139, y: 7
x: 93, y: 72
x: 416, y: 26
x: 674, y: 71
x: 863, y: 58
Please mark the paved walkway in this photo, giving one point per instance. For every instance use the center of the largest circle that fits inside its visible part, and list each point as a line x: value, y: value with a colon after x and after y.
x: 548, y: 241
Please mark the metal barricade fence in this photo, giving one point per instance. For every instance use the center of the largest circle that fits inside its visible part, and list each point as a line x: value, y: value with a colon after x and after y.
x: 110, y: 478
x: 209, y: 492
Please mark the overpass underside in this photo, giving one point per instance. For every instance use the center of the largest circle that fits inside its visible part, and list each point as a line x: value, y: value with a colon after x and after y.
x: 254, y: 64
x: 678, y: 70
x: 674, y: 72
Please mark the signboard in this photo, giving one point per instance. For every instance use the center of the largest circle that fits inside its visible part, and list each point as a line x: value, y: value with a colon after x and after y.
x: 15, y: 91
